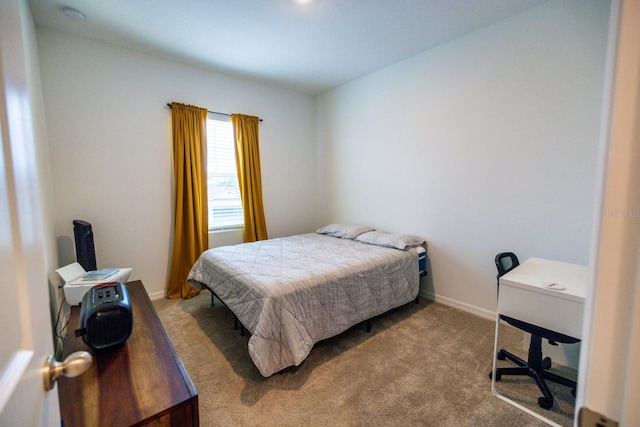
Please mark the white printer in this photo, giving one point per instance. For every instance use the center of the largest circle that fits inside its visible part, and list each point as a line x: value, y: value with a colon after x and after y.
x: 77, y: 281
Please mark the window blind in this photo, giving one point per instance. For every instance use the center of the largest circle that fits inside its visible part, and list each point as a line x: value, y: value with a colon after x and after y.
x: 225, y: 205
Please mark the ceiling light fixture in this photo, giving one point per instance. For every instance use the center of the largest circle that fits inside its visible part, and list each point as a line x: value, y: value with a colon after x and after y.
x: 72, y: 13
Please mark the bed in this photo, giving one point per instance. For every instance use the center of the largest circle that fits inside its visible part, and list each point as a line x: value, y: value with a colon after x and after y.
x: 292, y: 292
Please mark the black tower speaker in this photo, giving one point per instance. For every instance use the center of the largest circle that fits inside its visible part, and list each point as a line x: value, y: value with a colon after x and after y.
x: 85, y: 251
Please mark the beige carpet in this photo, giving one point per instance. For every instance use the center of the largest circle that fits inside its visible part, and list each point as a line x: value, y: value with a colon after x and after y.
x: 422, y: 365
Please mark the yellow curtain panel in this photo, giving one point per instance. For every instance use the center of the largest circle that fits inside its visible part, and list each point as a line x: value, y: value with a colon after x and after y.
x: 245, y: 130
x: 191, y: 235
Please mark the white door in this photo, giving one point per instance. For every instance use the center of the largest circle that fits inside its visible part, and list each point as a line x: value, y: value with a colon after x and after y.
x: 25, y: 333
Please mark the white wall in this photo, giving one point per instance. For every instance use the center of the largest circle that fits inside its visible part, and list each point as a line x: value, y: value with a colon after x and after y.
x: 109, y: 135
x: 486, y: 144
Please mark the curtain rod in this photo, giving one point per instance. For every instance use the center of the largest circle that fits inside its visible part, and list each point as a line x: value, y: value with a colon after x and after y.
x: 211, y: 112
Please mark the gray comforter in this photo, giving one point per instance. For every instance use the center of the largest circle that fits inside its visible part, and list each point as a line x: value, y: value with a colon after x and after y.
x: 295, y: 291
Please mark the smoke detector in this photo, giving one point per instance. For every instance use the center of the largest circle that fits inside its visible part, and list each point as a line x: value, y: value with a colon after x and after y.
x: 73, y: 14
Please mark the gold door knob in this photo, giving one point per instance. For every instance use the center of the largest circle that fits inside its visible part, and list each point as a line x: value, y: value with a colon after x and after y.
x: 75, y: 364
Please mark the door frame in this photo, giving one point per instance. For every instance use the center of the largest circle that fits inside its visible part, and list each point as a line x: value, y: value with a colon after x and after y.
x: 609, y: 373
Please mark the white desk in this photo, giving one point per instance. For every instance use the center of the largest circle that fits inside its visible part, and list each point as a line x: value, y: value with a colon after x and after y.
x: 522, y: 296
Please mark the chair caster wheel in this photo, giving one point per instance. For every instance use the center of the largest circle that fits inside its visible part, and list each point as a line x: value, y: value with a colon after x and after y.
x: 500, y: 356
x: 546, y: 363
x: 545, y: 403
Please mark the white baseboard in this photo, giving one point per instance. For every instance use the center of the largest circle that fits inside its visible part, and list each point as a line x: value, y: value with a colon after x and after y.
x: 157, y: 295
x: 482, y: 312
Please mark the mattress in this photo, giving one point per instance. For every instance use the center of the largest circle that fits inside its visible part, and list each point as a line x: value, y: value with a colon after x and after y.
x: 292, y: 292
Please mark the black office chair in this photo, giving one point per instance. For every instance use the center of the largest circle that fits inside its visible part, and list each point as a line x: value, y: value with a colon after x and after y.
x: 535, y: 367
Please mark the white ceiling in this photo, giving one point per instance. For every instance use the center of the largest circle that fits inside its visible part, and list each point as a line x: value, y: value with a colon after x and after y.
x: 310, y: 46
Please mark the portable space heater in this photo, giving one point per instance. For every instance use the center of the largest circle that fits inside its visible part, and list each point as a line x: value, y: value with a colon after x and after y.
x: 106, y: 319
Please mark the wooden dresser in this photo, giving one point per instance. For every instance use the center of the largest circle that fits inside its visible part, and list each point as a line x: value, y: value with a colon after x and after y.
x: 143, y: 382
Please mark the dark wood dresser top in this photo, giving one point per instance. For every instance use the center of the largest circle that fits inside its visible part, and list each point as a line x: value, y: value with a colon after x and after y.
x: 141, y: 382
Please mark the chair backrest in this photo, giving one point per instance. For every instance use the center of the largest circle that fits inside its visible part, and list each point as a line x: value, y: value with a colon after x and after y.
x: 505, y: 262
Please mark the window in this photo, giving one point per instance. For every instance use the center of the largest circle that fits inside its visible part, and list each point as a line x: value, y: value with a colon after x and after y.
x: 225, y: 206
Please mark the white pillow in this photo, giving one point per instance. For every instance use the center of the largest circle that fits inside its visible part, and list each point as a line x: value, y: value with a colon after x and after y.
x: 344, y: 231
x: 390, y: 240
